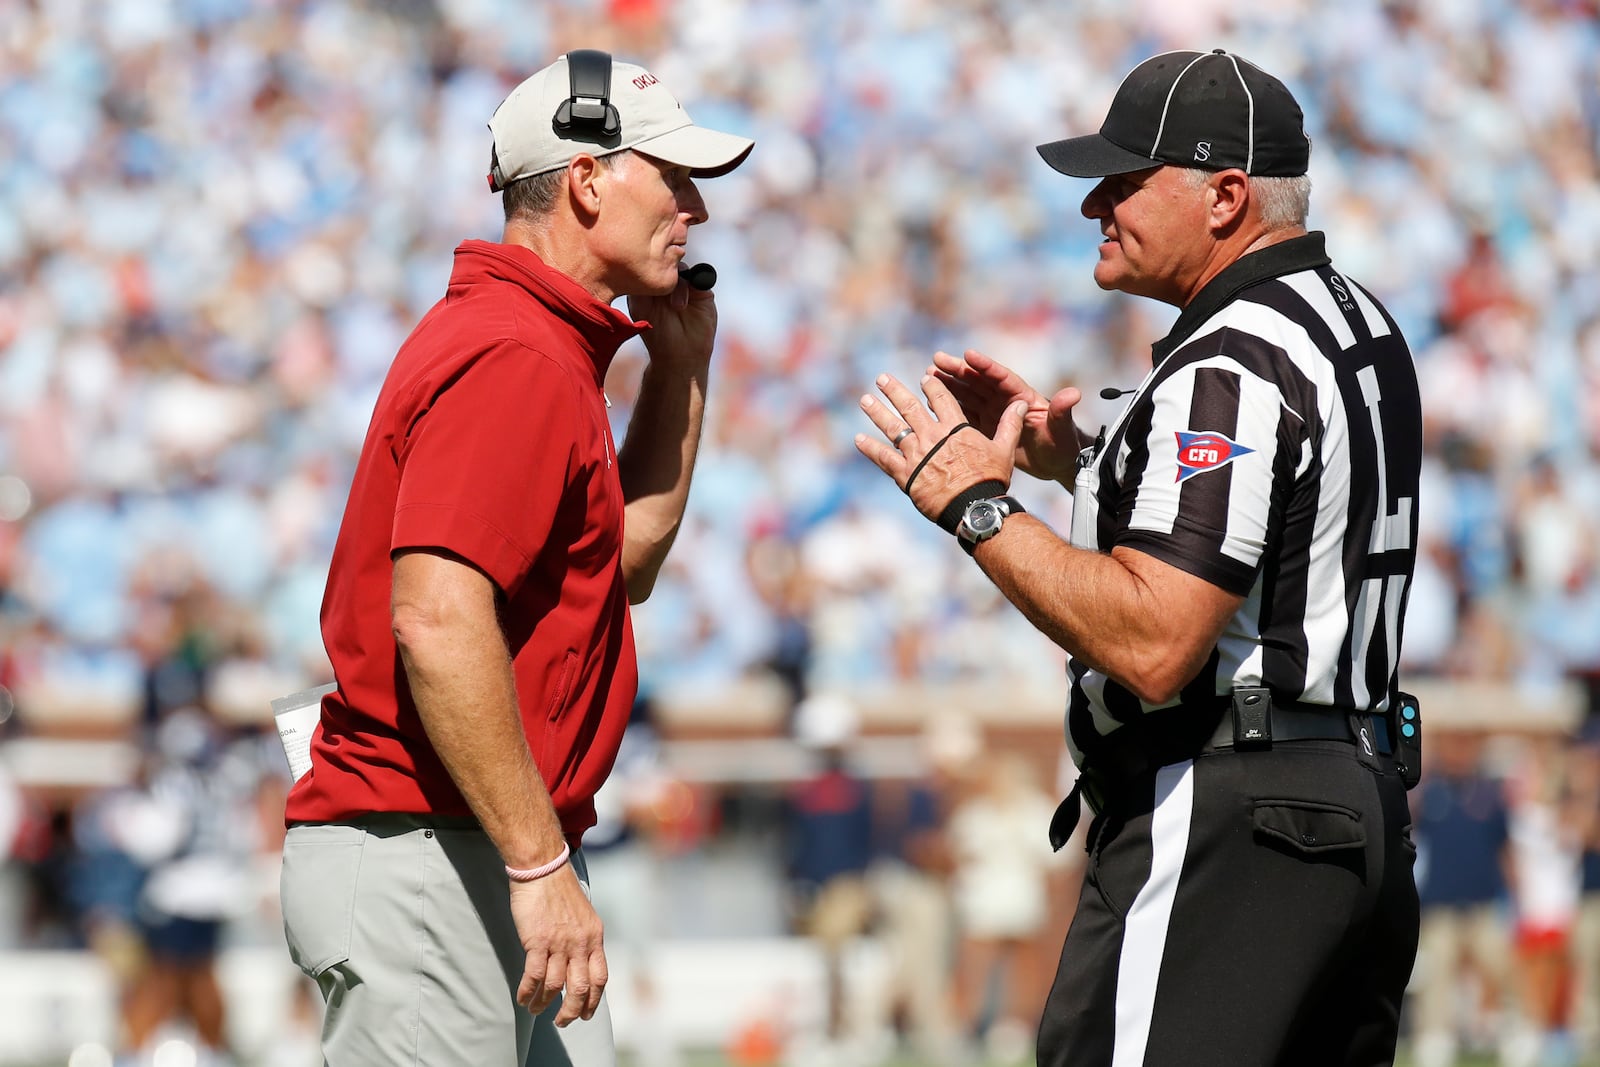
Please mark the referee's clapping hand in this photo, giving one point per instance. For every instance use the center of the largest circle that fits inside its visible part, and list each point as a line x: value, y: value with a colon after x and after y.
x: 984, y: 387
x: 933, y: 453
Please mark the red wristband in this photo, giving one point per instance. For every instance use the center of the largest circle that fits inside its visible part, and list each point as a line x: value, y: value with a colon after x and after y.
x: 533, y: 874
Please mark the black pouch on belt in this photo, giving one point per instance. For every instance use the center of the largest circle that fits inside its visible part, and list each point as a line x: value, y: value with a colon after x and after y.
x: 1252, y: 717
x: 1065, y: 820
x: 1093, y: 789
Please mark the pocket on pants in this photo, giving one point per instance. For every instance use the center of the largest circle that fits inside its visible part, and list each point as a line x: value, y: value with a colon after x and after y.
x: 317, y: 894
x: 1309, y: 827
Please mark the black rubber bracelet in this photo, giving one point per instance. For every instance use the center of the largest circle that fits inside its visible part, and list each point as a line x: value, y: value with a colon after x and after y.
x: 950, y: 517
x: 936, y: 446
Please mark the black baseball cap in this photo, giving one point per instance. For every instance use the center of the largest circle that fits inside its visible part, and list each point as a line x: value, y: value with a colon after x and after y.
x: 1192, y: 109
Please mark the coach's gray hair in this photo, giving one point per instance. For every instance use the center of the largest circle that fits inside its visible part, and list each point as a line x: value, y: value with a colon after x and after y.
x: 532, y: 198
x: 1284, y: 202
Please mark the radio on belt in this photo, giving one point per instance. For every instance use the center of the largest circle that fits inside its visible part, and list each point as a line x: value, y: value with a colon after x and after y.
x: 1405, y: 726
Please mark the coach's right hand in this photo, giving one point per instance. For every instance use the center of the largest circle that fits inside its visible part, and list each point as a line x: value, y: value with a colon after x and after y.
x: 985, y: 388
x: 563, y: 938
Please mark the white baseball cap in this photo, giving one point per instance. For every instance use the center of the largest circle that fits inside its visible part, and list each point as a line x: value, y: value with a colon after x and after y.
x: 529, y: 138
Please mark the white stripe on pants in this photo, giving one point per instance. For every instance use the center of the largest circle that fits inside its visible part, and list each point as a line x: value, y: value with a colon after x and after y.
x: 1150, y: 913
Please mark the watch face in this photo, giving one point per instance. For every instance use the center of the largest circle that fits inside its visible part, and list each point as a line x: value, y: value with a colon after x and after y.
x: 983, y: 518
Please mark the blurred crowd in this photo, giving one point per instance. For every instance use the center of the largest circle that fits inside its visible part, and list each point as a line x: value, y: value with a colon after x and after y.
x: 218, y: 219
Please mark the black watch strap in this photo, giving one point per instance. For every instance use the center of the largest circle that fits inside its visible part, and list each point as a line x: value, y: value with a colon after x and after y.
x: 950, y: 517
x: 1010, y: 505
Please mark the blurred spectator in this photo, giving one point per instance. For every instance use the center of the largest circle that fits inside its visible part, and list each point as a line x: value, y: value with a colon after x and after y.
x: 773, y: 565
x: 159, y: 870
x: 1477, y: 285
x: 911, y: 880
x: 104, y: 883
x: 625, y: 874
x: 1585, y: 776
x: 1463, y: 984
x: 1546, y: 846
x: 625, y: 810
x: 192, y: 834
x: 830, y: 845
x: 999, y: 837
x: 24, y: 840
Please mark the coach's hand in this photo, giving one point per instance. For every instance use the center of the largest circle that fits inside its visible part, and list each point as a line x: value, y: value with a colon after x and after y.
x: 942, y: 454
x: 563, y: 938
x: 683, y: 325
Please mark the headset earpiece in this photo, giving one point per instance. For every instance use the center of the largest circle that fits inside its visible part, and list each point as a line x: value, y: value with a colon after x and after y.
x: 587, y: 114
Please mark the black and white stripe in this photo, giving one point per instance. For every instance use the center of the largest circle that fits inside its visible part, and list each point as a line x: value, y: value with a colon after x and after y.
x: 1315, y: 527
x: 1144, y: 939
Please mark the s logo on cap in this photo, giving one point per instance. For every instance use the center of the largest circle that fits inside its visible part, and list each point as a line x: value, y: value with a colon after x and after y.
x: 1202, y: 151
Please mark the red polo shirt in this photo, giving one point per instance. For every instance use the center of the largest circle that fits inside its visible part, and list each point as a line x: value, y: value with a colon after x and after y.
x: 489, y: 441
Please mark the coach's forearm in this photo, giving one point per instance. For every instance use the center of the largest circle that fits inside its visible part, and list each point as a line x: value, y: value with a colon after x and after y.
x: 459, y: 671
x: 656, y: 464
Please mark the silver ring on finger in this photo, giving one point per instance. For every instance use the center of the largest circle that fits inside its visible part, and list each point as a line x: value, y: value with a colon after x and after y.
x: 901, y: 436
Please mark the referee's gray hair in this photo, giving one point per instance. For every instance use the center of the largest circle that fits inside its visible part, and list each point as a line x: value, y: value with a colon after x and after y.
x: 1284, y: 202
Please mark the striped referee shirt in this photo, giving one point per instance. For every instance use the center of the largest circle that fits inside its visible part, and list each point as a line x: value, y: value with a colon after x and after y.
x: 1275, y: 451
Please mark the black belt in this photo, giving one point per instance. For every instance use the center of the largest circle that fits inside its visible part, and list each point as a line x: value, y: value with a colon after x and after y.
x: 1291, y: 721
x: 1313, y: 722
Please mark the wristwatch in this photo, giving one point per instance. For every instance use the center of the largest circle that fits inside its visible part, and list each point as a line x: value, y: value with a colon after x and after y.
x: 983, y: 519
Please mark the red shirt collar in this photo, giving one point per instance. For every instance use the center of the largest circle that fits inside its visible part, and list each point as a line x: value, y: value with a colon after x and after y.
x: 599, y: 329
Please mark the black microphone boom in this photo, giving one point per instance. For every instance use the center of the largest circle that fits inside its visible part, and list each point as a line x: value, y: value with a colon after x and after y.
x: 701, y: 276
x: 1111, y: 392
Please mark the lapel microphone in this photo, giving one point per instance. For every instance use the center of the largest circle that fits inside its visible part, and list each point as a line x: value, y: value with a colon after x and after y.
x: 703, y: 276
x: 1111, y: 392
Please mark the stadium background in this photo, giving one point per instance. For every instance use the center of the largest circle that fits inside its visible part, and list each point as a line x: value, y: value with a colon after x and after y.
x: 219, y: 218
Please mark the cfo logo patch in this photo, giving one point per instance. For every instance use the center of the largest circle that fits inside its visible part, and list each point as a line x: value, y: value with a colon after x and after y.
x: 1198, y: 452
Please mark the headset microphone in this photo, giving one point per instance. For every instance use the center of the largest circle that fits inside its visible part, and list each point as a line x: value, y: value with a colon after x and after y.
x: 1111, y: 393
x: 703, y: 276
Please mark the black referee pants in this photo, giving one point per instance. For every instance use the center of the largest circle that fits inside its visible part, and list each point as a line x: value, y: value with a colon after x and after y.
x: 1243, y: 909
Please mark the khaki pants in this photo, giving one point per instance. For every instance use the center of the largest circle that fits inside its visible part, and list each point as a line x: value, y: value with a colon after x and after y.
x: 406, y: 928
x: 841, y: 910
x: 1586, y: 963
x: 1451, y: 939
x: 917, y: 932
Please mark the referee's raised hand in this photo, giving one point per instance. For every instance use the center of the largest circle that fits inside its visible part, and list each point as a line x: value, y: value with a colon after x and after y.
x: 932, y: 452
x: 1050, y: 442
